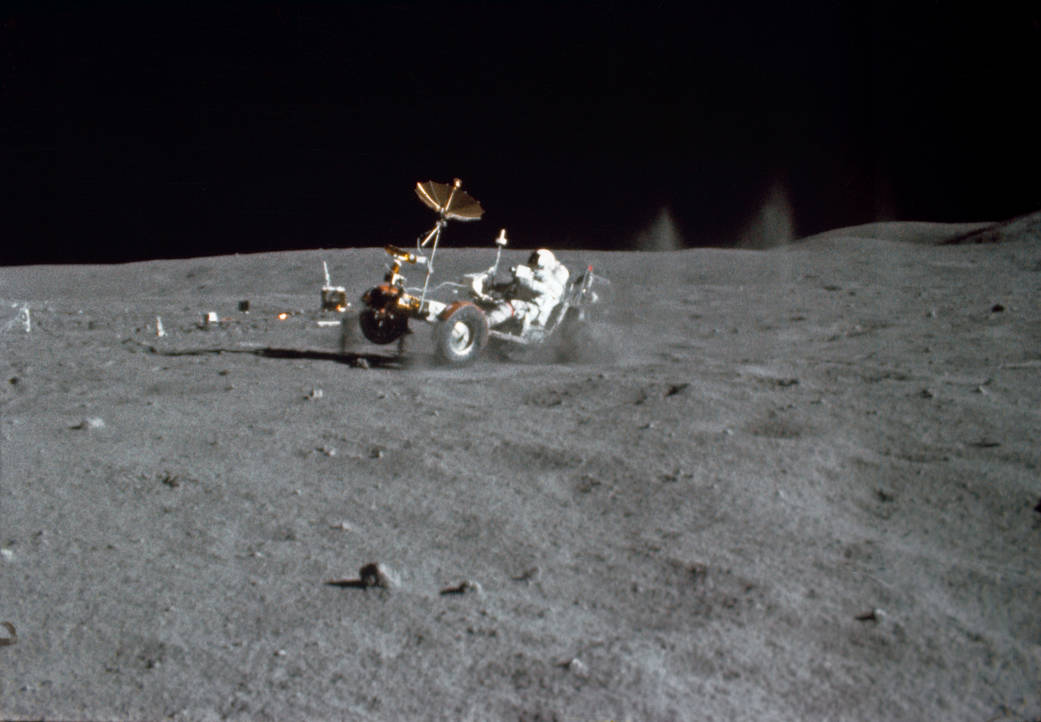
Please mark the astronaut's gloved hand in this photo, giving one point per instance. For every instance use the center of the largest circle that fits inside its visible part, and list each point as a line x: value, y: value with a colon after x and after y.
x: 522, y: 272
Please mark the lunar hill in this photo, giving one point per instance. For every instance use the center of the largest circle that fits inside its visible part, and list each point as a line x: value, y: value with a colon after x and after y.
x: 791, y: 484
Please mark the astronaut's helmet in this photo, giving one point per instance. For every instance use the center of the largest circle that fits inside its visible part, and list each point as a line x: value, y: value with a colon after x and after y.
x: 542, y: 258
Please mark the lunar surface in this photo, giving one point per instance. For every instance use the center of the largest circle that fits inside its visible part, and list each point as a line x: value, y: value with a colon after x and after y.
x: 797, y: 483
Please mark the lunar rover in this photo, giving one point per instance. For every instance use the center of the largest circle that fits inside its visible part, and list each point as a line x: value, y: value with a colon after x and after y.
x: 461, y: 328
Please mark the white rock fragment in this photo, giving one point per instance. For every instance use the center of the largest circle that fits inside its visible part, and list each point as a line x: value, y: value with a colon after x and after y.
x: 91, y: 423
x: 578, y: 668
x: 371, y: 575
x: 463, y: 587
x: 380, y: 575
x: 874, y: 615
x: 7, y: 554
x: 528, y: 574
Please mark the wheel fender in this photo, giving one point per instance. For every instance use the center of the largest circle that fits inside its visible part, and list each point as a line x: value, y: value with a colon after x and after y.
x: 382, y: 296
x: 455, y: 306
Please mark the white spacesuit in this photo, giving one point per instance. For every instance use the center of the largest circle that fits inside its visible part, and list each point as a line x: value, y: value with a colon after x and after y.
x: 535, y: 289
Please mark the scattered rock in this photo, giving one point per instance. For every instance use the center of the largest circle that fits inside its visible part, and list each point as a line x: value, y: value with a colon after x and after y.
x: 314, y: 395
x: 171, y: 480
x: 462, y: 588
x: 587, y: 484
x: 698, y: 571
x: 370, y: 575
x: 576, y: 666
x: 244, y: 306
x: 91, y: 422
x: 6, y: 554
x: 884, y: 496
x: 997, y: 308
x: 377, y: 575
x: 926, y: 394
x: 375, y: 453
x: 1038, y: 507
x: 11, y: 637
x: 533, y: 573
x: 874, y: 615
x: 676, y: 389
x: 361, y: 363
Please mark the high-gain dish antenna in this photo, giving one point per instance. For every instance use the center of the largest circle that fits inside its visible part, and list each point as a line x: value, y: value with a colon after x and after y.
x: 450, y: 202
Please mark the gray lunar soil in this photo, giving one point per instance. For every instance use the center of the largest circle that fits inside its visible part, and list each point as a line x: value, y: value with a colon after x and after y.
x: 788, y: 484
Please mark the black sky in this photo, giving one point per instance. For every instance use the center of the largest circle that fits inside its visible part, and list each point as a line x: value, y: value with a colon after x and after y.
x: 146, y: 131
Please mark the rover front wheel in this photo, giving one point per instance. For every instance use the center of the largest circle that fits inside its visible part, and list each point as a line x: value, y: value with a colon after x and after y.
x: 462, y: 334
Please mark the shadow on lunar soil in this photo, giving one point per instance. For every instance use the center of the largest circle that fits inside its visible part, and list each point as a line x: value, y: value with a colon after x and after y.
x: 358, y: 360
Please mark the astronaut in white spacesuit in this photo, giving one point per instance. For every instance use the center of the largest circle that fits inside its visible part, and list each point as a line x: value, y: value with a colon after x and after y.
x: 533, y: 291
